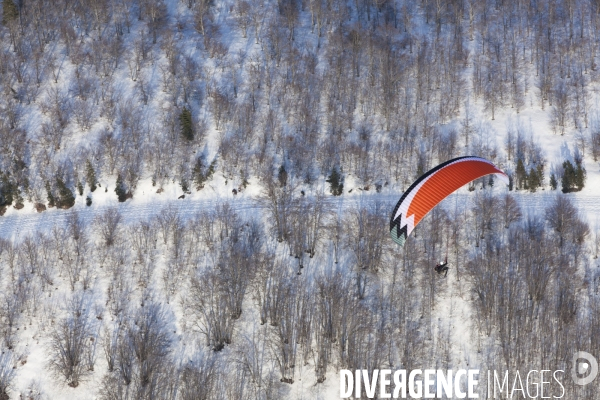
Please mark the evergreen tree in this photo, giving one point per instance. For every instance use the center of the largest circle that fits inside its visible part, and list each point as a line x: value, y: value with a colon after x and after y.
x: 533, y: 180
x: 120, y: 189
x: 10, y: 12
x: 336, y: 186
x: 573, y: 177
x: 65, y: 195
x: 553, y: 181
x: 540, y: 174
x: 579, y: 176
x: 187, y: 126
x: 198, y: 176
x: 211, y: 169
x: 185, y: 185
x: 88, y: 201
x: 521, y: 173
x: 25, y: 185
x: 244, y: 177
x: 80, y: 188
x: 51, y: 199
x: 420, y: 169
x: 90, y: 176
x: 6, y: 190
x: 540, y: 171
x: 568, y: 178
x: 18, y: 198
x: 282, y: 176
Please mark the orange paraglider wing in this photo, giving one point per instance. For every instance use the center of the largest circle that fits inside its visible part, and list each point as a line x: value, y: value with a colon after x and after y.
x: 434, y: 186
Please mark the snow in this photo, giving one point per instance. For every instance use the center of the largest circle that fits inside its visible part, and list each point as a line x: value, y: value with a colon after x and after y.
x: 451, y: 311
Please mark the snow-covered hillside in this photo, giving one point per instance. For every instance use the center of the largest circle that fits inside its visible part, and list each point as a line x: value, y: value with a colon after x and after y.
x: 170, y: 224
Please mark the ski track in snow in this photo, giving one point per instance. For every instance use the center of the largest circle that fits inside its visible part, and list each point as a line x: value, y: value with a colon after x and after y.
x: 17, y: 225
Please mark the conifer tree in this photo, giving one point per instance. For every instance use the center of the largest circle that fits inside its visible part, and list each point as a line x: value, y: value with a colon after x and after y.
x: 90, y: 176
x: 336, y: 186
x: 51, y: 199
x: 579, y: 176
x: 573, y: 179
x: 185, y: 185
x: 6, y: 190
x: 211, y: 169
x: 282, y: 176
x: 120, y: 189
x: 533, y: 180
x: 244, y: 176
x: 553, y: 181
x: 65, y: 195
x: 420, y: 170
x: 568, y: 178
x: 198, y: 176
x: 187, y: 126
x: 521, y: 173
x: 18, y: 198
x: 10, y: 12
x: 540, y: 174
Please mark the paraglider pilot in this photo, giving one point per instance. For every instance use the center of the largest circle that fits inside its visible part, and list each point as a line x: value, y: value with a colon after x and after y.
x: 442, y: 267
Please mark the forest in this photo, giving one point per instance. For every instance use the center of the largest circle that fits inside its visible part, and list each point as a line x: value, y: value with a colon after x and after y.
x: 296, y: 124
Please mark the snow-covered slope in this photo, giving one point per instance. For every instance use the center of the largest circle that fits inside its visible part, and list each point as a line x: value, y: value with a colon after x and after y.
x: 281, y: 95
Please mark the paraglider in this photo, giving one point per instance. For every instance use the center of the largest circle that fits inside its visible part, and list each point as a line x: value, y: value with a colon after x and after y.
x: 433, y: 187
x: 442, y: 266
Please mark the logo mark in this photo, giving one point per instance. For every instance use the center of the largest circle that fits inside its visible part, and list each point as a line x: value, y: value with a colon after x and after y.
x: 585, y: 368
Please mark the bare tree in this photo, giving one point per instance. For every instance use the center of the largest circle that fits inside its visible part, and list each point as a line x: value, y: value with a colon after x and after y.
x: 279, y: 201
x: 109, y: 225
x: 199, y: 377
x: 151, y: 340
x: 364, y: 238
x: 511, y: 211
x: 201, y: 12
x: 7, y: 373
x: 560, y: 215
x: 209, y: 306
x: 560, y: 108
x: 71, y: 341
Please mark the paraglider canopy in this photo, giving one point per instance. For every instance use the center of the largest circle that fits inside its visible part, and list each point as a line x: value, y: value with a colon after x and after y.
x: 432, y: 187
